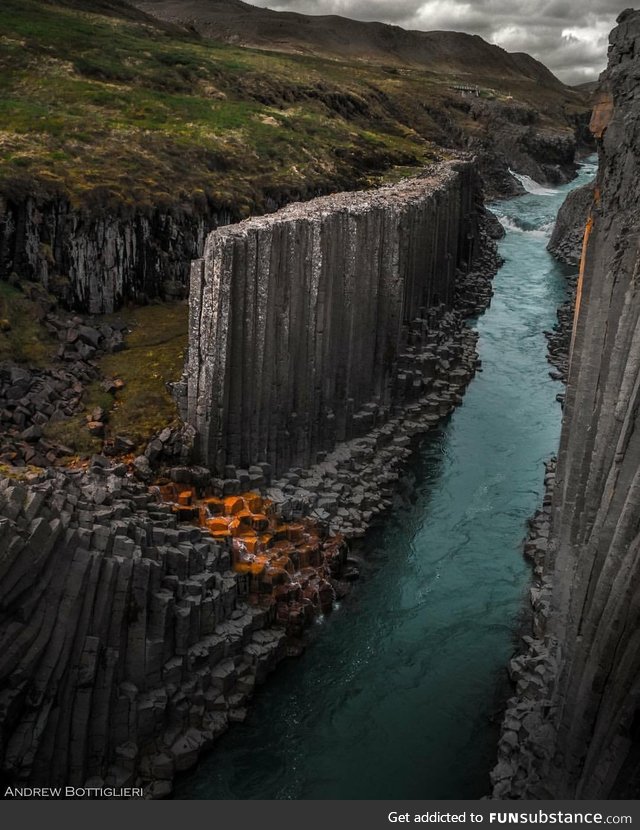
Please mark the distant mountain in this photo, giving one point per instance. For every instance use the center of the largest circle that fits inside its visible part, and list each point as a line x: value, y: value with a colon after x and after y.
x: 587, y: 88
x: 239, y: 23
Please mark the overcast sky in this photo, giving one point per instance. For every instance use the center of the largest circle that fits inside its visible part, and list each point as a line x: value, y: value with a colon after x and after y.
x: 569, y: 36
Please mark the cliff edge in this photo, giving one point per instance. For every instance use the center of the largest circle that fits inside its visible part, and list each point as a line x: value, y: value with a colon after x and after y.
x: 571, y: 731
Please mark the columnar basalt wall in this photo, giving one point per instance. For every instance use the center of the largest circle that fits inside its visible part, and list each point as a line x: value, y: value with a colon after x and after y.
x: 573, y: 731
x: 297, y: 318
x: 95, y: 261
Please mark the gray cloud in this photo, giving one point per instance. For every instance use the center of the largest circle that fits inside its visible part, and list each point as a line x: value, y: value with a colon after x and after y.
x: 568, y: 36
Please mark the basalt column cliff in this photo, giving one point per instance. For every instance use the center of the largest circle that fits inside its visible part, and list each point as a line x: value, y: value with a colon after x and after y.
x: 298, y: 319
x: 573, y: 730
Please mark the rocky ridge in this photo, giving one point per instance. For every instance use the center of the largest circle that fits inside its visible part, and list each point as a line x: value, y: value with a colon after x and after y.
x: 329, y: 304
x: 127, y: 642
x: 93, y: 262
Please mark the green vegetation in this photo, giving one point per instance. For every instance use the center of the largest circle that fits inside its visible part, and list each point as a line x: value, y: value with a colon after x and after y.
x: 73, y: 434
x: 23, y: 338
x: 115, y: 107
x: 28, y: 473
x: 154, y: 355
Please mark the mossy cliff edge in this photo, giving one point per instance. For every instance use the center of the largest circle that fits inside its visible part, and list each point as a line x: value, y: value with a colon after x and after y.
x: 125, y: 139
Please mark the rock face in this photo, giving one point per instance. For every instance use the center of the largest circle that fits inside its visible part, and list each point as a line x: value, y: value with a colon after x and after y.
x: 94, y: 260
x: 515, y: 140
x: 126, y: 642
x: 298, y: 319
x: 568, y: 232
x: 573, y: 725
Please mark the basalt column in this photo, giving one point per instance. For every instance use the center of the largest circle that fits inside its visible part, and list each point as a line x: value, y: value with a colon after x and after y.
x: 579, y: 697
x: 297, y: 317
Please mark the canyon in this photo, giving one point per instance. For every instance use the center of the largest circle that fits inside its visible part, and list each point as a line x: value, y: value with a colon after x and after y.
x: 304, y: 325
x: 146, y: 594
x: 154, y: 632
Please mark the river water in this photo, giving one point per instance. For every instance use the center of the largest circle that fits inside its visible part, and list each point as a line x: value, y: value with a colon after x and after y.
x: 399, y: 695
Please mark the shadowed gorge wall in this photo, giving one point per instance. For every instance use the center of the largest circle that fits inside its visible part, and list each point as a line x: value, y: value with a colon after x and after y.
x: 298, y: 318
x: 579, y: 684
x: 96, y: 262
x: 596, y: 522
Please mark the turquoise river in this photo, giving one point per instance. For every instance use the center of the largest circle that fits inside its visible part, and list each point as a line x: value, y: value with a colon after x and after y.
x: 399, y: 694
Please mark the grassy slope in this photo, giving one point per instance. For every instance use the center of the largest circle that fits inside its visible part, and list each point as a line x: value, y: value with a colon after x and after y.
x: 154, y: 355
x: 108, y: 107
x: 114, y: 107
x: 23, y: 338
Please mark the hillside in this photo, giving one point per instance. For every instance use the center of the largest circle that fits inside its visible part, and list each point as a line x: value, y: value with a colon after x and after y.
x: 233, y: 21
x: 104, y: 103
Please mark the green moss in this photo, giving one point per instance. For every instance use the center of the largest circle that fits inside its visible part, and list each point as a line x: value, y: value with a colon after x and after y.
x: 156, y: 344
x: 154, y: 356
x: 73, y: 433
x: 23, y: 338
x: 28, y: 473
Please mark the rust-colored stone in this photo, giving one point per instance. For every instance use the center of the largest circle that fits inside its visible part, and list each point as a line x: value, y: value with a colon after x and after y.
x: 602, y: 113
x: 185, y: 497
x: 289, y: 564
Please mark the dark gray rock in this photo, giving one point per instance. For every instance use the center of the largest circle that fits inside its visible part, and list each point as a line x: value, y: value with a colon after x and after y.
x: 568, y: 231
x: 275, y: 382
x: 576, y: 695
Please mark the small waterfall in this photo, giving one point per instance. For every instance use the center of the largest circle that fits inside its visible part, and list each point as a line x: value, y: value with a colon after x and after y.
x: 532, y: 186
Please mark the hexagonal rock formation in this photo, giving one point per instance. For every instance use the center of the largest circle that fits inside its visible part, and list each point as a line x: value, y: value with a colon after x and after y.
x: 298, y: 318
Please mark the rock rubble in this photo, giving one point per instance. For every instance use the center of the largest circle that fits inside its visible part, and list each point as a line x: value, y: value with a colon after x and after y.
x: 31, y: 398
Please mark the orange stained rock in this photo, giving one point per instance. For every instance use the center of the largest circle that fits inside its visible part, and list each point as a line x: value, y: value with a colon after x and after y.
x: 310, y: 556
x: 254, y: 567
x: 254, y: 502
x: 295, y: 532
x: 233, y: 504
x: 251, y: 543
x: 602, y: 113
x: 260, y: 522
x: 583, y: 258
x: 214, y: 505
x: 167, y: 492
x: 283, y: 545
x: 220, y: 534
x: 283, y: 562
x: 218, y: 523
x: 275, y: 575
x: 241, y: 528
x: 288, y: 563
